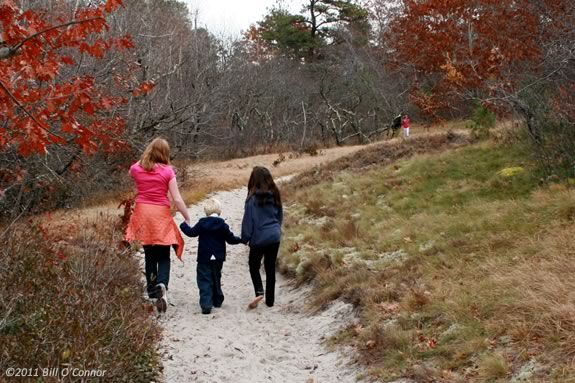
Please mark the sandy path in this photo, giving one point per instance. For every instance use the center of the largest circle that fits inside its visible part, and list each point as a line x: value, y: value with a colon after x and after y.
x: 279, y: 344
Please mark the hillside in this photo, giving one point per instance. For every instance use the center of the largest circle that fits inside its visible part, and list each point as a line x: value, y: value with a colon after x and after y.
x: 459, y: 262
x: 454, y: 253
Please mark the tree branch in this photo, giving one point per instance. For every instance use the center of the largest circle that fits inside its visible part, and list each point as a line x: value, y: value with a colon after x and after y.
x: 7, y: 52
x: 15, y: 100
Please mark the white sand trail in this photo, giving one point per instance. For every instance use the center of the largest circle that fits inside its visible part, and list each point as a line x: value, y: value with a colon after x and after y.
x: 234, y: 345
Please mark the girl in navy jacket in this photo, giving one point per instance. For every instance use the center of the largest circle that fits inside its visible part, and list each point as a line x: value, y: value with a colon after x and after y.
x: 261, y: 230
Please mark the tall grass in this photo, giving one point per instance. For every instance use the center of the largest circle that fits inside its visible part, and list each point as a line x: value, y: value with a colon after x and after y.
x: 459, y: 263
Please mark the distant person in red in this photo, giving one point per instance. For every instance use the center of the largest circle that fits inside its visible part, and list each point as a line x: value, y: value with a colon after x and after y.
x: 405, y: 125
x: 152, y: 224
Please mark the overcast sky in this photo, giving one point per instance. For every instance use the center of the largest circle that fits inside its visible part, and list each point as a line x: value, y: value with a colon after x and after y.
x: 230, y: 17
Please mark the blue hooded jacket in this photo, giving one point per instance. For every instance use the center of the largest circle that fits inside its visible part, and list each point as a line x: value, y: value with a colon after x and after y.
x: 261, y: 225
x: 213, y: 234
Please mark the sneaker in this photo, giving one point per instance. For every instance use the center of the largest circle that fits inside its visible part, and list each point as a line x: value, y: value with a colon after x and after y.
x: 152, y: 294
x: 206, y: 311
x: 162, y: 301
x: 253, y: 304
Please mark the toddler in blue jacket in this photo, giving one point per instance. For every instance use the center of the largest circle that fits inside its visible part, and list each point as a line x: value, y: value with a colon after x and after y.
x: 213, y: 233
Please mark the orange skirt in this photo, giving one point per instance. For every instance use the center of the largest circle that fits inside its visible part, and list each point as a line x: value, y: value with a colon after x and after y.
x: 154, y: 225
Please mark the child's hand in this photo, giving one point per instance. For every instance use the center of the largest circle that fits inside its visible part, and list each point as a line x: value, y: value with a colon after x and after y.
x: 188, y: 229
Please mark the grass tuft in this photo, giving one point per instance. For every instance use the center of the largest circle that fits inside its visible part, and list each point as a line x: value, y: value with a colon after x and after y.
x: 492, y: 367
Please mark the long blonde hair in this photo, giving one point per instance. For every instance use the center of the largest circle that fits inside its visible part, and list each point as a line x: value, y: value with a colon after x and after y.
x: 157, y: 152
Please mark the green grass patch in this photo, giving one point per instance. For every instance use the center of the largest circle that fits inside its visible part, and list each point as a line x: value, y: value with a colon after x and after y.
x: 436, y: 252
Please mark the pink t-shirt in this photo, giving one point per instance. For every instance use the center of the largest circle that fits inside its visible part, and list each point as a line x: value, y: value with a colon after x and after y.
x: 152, y: 185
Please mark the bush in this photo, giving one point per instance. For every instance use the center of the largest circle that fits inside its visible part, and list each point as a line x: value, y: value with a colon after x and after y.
x: 550, y: 120
x: 482, y: 120
x: 36, y: 184
x: 68, y: 298
x: 556, y: 152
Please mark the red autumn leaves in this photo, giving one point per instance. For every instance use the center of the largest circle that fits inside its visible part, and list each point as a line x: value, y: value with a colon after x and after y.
x: 42, y: 99
x: 143, y: 88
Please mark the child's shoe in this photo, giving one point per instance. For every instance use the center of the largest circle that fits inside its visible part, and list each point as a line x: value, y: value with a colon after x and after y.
x: 162, y: 301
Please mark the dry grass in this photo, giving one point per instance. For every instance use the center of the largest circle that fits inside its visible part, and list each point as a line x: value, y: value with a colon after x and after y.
x: 492, y: 367
x: 546, y: 281
x: 381, y: 153
x: 461, y: 273
x: 69, y: 297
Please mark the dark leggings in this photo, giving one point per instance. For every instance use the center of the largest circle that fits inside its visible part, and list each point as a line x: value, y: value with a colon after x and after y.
x: 269, y: 254
x: 157, y: 267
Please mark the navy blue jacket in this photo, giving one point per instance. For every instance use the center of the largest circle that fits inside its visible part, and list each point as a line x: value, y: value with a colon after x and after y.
x: 213, y: 233
x: 261, y: 225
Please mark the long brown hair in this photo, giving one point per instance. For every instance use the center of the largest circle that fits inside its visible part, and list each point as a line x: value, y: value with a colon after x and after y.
x: 261, y: 182
x: 157, y: 152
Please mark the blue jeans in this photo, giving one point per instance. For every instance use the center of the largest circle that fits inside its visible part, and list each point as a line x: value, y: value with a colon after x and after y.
x: 157, y: 267
x: 209, y: 277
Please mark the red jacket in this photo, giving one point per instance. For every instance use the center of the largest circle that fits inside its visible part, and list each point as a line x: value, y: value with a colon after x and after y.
x: 405, y: 122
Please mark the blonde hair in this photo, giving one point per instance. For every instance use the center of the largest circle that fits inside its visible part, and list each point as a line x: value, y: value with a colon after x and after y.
x: 157, y: 152
x: 212, y: 206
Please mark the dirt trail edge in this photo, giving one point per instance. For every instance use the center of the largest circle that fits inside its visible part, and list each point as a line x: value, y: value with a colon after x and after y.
x: 278, y: 344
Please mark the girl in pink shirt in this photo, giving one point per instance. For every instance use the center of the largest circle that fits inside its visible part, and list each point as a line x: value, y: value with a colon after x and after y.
x: 152, y: 224
x: 152, y: 185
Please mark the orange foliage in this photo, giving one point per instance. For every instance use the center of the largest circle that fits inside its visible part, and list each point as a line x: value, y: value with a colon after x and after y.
x: 144, y: 88
x: 482, y: 46
x: 40, y: 107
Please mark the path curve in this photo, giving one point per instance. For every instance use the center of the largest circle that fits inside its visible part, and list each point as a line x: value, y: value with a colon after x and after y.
x: 278, y: 344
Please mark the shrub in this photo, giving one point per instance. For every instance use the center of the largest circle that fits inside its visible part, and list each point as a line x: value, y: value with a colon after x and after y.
x: 548, y: 113
x: 74, y: 300
x: 482, y: 121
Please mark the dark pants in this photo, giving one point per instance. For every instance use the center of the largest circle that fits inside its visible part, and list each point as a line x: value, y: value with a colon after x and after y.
x: 157, y: 267
x: 209, y: 277
x: 269, y: 254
